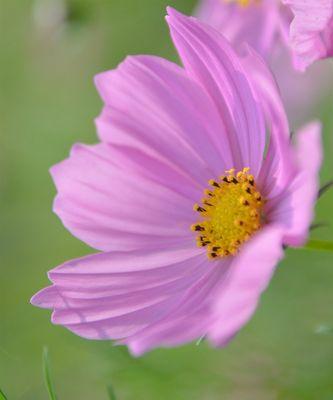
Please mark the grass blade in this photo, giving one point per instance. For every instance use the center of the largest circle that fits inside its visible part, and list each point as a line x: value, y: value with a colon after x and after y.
x: 111, y: 393
x: 47, y: 375
x: 319, y: 245
x: 2, y: 395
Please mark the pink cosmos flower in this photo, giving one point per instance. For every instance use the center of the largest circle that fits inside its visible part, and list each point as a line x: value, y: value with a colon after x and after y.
x: 287, y: 34
x: 179, y: 260
x: 305, y: 26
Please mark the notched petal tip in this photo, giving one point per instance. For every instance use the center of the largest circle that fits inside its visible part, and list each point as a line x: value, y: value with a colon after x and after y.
x: 61, y: 168
x: 173, y: 15
x: 99, y: 79
x: 46, y: 298
x: 171, y: 11
x: 136, y: 350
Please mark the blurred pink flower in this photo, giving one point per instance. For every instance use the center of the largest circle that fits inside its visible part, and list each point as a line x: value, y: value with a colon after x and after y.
x: 311, y: 31
x: 306, y: 27
x: 165, y: 131
x: 289, y: 35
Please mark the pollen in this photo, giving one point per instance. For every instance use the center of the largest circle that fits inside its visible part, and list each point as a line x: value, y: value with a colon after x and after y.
x: 231, y: 211
x: 243, y: 3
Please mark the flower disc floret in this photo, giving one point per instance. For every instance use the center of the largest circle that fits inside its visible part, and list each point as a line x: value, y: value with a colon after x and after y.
x: 231, y: 212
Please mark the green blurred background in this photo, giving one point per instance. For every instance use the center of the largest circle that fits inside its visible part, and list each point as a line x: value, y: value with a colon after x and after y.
x: 50, y: 51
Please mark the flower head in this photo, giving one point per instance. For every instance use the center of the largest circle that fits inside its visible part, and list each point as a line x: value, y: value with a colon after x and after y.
x: 141, y: 196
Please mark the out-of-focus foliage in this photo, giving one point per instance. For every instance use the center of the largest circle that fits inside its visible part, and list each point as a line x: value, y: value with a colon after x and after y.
x: 47, y: 375
x: 50, y: 50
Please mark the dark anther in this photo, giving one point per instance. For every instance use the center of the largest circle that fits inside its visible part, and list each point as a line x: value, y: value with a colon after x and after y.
x: 248, y: 190
x: 216, y: 184
x: 208, y: 204
x: 234, y: 180
x: 199, y: 228
x: 216, y: 248
x: 214, y: 255
x: 225, y: 179
x: 200, y: 209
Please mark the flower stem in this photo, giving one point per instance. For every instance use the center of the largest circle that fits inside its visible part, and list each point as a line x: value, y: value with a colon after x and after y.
x: 315, y: 244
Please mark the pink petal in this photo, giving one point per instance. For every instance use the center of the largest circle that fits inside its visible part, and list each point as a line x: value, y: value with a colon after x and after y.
x: 151, y: 104
x: 131, y: 291
x: 311, y: 32
x: 295, y: 208
x: 190, y: 320
x: 278, y: 168
x: 111, y: 209
x: 248, y: 277
x: 210, y: 60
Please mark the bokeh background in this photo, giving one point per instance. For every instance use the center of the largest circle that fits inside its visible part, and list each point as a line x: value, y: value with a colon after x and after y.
x: 50, y: 51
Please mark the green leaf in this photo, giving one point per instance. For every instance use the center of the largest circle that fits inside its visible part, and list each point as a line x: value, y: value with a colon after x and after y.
x: 319, y: 245
x: 47, y: 375
x: 2, y: 395
x: 111, y: 393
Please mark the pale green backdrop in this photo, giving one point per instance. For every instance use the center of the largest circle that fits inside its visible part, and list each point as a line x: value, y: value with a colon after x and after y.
x: 48, y: 102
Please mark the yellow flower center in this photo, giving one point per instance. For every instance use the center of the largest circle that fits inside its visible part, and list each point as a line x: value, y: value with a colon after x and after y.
x: 231, y: 212
x: 243, y: 3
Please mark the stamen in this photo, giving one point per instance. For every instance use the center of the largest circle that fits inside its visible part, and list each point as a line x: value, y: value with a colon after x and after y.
x: 198, y: 208
x: 243, y: 3
x: 197, y: 228
x: 211, y: 182
x: 231, y: 213
x: 251, y: 180
x: 257, y: 196
x: 208, y: 192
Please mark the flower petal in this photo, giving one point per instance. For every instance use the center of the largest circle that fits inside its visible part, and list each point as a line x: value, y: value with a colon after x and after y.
x: 111, y: 209
x: 115, y: 295
x: 210, y: 60
x: 248, y: 277
x: 151, y: 103
x: 295, y: 208
x: 190, y: 320
x: 278, y: 169
x: 311, y: 30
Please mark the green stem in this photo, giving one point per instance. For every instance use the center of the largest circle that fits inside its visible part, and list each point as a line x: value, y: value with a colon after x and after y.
x: 314, y: 244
